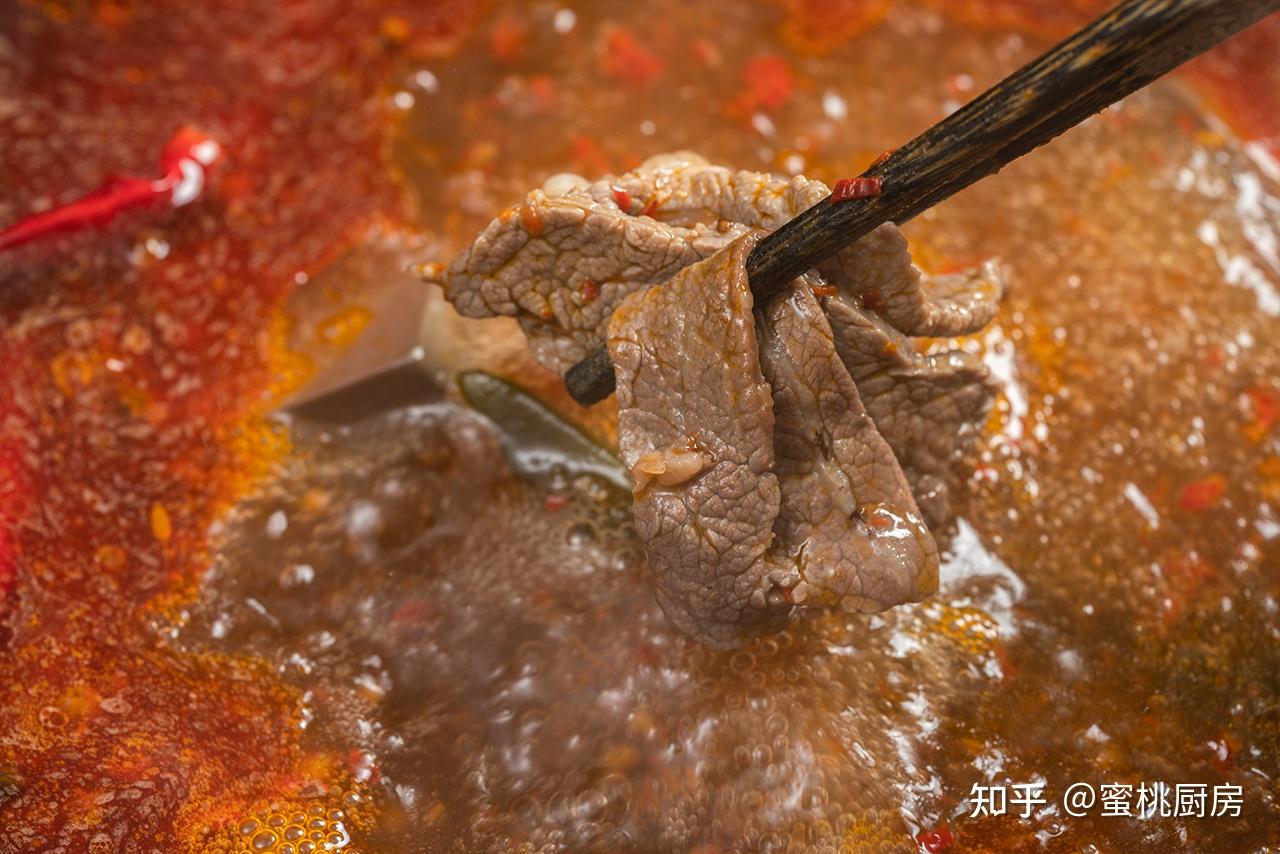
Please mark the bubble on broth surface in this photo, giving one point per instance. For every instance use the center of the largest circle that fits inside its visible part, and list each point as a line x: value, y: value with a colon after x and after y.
x: 530, y: 692
x: 296, y: 826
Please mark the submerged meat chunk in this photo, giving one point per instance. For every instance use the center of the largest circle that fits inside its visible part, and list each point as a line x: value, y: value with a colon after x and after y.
x: 797, y: 498
x: 795, y: 453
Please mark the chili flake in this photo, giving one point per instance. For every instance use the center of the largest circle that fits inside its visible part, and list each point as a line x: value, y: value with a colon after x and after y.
x: 531, y: 220
x: 706, y: 52
x: 625, y: 58
x: 769, y: 81
x: 161, y: 527
x: 847, y: 189
x: 586, y: 153
x: 937, y: 840
x: 884, y: 155
x: 590, y: 290
x: 1266, y: 412
x: 506, y: 41
x: 1202, y: 494
x: 622, y: 198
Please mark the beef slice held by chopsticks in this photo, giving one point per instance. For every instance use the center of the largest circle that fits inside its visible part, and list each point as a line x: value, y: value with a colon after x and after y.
x: 761, y: 482
x: 825, y: 443
x: 564, y: 259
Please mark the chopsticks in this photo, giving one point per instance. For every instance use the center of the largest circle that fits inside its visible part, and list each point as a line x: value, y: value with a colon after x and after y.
x: 1119, y: 53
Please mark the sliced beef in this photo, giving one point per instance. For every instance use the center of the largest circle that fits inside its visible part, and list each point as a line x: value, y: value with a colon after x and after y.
x: 928, y: 407
x: 565, y: 258
x: 788, y: 455
x: 761, y: 482
x: 879, y: 271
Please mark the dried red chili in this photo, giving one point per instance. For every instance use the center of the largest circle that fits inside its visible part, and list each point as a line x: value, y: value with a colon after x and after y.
x: 824, y: 290
x: 590, y: 290
x: 847, y: 189
x: 184, y: 163
x: 651, y: 208
x: 555, y: 501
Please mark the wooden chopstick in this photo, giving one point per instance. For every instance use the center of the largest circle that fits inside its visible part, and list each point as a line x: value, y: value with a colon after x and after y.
x: 1117, y: 54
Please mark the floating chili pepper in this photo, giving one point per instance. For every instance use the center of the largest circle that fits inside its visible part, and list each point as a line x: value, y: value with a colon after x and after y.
x: 936, y: 840
x: 769, y: 81
x: 588, y: 156
x: 555, y: 501
x: 625, y: 58
x: 1202, y: 494
x: 847, y: 189
x: 1224, y: 750
x: 543, y: 89
x: 651, y: 208
x: 824, y: 290
x: 1266, y: 412
x: 507, y: 40
x: 706, y: 52
x: 184, y: 163
x: 413, y: 614
x: 590, y: 290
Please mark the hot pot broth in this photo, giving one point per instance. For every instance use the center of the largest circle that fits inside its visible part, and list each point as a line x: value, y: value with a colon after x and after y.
x: 465, y: 658
x: 530, y: 692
